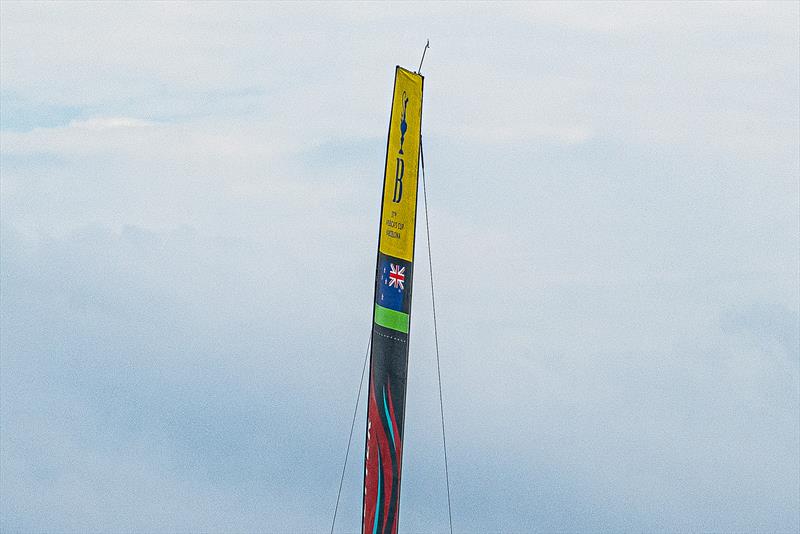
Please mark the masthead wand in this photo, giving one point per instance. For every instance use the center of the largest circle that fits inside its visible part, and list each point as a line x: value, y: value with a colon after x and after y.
x: 427, y: 46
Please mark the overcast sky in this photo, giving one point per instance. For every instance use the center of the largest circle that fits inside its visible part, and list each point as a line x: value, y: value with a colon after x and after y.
x: 188, y: 222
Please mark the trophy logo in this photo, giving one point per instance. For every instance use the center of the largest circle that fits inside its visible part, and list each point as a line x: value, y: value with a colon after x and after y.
x: 403, y: 123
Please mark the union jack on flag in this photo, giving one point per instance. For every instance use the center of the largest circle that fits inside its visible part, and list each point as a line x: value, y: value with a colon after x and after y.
x: 397, y: 275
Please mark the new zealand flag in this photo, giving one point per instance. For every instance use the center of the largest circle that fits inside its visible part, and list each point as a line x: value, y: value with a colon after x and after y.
x: 393, y: 286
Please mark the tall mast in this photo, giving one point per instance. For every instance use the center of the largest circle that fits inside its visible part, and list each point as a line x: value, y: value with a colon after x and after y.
x: 394, y: 271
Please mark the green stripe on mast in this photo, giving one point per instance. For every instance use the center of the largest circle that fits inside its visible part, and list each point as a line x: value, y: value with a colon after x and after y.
x: 391, y: 319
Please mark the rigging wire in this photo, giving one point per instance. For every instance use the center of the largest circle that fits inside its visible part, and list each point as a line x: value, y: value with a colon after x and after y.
x: 352, y: 426
x: 435, y: 331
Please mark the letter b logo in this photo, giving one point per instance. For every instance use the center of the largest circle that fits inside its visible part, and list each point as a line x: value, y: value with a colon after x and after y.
x: 398, y: 181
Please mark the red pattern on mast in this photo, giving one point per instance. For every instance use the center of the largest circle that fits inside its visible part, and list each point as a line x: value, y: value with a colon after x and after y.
x: 383, y: 453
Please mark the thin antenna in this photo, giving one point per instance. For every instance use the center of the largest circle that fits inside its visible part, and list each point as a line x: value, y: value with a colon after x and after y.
x: 427, y: 46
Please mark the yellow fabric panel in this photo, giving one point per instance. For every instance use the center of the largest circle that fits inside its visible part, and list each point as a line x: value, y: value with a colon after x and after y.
x: 399, y: 208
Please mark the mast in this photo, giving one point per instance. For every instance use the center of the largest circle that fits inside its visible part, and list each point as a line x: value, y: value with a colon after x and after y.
x: 392, y: 309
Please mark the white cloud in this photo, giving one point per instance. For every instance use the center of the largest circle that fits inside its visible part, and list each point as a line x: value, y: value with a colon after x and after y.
x: 106, y: 123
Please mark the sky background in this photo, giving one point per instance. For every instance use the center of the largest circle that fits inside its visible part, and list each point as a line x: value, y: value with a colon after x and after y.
x: 188, y: 221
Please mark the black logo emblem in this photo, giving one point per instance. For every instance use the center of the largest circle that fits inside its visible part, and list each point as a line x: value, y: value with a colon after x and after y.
x: 403, y: 123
